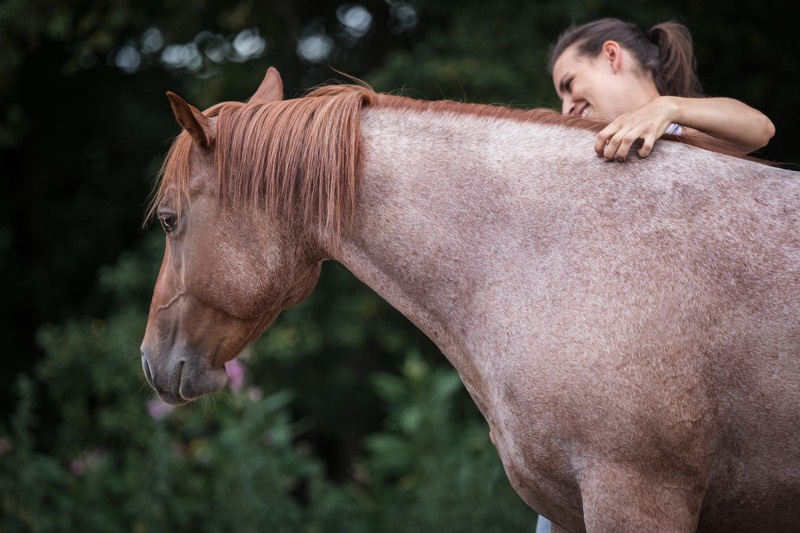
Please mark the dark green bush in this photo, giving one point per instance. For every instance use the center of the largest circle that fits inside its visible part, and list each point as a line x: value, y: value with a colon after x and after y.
x: 335, y: 369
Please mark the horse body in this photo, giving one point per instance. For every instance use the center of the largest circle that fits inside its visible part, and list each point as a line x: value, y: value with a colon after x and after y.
x: 629, y: 331
x: 603, y: 318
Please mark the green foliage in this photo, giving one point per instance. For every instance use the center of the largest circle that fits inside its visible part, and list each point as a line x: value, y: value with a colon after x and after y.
x: 248, y: 459
x: 241, y: 465
x: 232, y: 467
x: 121, y: 460
x: 428, y: 461
x: 24, y: 473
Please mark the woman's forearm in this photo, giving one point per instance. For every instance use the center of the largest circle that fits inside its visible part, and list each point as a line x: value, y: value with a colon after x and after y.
x: 725, y: 118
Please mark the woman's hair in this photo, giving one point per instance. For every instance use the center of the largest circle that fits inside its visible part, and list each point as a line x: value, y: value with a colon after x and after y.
x: 665, y: 51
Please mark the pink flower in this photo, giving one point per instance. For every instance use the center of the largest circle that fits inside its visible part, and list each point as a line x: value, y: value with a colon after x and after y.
x: 77, y: 467
x: 235, y: 370
x: 158, y: 409
x: 86, y: 461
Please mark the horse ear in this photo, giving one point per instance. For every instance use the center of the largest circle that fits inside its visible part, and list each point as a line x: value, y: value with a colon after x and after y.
x: 271, y: 87
x: 192, y: 120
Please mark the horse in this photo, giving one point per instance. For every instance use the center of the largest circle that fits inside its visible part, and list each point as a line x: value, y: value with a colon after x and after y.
x: 630, y: 331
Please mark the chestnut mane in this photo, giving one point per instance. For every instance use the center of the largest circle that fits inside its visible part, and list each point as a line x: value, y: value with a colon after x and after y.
x: 307, y: 151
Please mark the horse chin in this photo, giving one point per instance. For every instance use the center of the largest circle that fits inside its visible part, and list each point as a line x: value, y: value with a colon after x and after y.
x: 196, y: 382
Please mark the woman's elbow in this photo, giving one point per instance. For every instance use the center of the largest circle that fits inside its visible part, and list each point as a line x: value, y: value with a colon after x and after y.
x: 766, y: 131
x: 769, y: 130
x: 757, y: 135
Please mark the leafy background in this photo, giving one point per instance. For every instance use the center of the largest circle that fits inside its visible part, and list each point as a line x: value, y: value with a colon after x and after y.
x: 343, y: 417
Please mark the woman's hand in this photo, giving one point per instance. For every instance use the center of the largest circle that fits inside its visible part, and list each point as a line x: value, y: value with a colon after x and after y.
x: 648, y: 122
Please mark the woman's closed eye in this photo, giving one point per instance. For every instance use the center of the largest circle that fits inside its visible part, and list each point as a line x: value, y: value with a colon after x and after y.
x: 566, y: 85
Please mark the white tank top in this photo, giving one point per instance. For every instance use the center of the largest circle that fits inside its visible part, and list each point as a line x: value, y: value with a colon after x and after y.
x: 674, y: 129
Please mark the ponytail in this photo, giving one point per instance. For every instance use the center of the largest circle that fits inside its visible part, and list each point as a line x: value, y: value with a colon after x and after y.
x: 676, y: 74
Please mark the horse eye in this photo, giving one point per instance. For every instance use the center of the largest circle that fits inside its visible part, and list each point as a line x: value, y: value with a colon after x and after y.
x: 169, y: 222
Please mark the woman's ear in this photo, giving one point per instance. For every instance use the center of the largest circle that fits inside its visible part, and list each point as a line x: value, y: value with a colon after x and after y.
x: 612, y: 53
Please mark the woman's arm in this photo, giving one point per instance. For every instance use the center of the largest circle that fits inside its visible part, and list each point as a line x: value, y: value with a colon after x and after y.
x: 744, y: 128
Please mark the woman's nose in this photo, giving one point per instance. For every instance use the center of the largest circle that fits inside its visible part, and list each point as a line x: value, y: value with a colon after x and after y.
x: 567, y: 106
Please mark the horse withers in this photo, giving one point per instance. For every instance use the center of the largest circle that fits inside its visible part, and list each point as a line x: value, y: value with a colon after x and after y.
x: 631, y: 332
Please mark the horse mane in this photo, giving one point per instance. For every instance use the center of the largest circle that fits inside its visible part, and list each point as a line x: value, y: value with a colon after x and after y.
x: 551, y: 117
x: 307, y: 151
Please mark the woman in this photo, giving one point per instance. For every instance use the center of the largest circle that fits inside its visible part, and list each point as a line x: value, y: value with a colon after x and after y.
x: 646, y: 84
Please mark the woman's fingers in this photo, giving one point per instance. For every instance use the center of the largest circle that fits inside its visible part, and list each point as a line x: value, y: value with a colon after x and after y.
x: 617, y: 145
x: 647, y: 147
x: 602, y: 139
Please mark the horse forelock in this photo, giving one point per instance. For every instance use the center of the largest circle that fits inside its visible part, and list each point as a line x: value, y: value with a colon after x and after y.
x: 174, y: 172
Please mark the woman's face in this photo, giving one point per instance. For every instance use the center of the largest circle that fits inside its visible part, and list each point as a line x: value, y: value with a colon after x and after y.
x: 595, y: 87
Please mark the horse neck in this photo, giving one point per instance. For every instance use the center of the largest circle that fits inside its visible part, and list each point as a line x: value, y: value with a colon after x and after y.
x: 437, y: 211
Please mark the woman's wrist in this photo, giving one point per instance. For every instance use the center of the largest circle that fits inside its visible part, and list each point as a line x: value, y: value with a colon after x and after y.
x: 673, y: 109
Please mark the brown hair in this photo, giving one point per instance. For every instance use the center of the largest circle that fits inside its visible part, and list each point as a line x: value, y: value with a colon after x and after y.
x: 665, y: 51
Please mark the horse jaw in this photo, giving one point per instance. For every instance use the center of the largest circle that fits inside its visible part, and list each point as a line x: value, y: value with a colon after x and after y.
x: 184, y: 363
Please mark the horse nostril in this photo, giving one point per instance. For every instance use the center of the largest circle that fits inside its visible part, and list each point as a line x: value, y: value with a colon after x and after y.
x: 146, y: 368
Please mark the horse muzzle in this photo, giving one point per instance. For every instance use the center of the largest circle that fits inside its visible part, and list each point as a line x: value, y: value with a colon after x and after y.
x: 181, y: 379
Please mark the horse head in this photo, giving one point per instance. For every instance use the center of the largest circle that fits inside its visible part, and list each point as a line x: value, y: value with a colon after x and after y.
x: 228, y: 269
